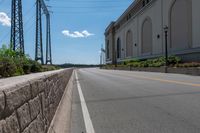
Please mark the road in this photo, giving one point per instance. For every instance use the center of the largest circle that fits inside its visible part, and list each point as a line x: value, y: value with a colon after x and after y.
x: 135, y: 102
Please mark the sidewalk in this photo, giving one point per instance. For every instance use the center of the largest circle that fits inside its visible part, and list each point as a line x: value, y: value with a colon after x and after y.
x: 62, y: 119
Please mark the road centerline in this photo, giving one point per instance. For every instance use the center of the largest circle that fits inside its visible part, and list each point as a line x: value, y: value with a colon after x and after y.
x: 170, y: 81
x: 161, y: 80
x: 86, y: 116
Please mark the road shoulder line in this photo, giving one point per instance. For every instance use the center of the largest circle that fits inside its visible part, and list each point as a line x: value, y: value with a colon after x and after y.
x: 86, y: 116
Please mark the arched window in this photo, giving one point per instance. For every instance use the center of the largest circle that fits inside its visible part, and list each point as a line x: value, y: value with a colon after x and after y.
x: 129, y: 44
x: 118, y: 48
x: 180, y: 24
x: 147, y: 36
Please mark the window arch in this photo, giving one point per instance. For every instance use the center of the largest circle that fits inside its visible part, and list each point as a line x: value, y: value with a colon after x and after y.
x: 129, y: 43
x: 180, y: 24
x: 118, y: 48
x: 147, y: 36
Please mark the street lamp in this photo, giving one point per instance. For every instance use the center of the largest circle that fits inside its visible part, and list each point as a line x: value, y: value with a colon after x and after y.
x: 115, y: 60
x: 166, y: 47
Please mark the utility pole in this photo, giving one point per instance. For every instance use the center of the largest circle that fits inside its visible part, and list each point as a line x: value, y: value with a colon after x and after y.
x: 17, y: 35
x: 38, y: 41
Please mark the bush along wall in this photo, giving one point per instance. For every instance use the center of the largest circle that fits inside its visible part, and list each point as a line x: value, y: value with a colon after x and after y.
x: 157, y: 62
x: 157, y: 65
x: 13, y: 64
x: 173, y: 61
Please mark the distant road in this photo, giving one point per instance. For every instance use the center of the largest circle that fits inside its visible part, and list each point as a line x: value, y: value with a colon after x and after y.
x: 135, y: 102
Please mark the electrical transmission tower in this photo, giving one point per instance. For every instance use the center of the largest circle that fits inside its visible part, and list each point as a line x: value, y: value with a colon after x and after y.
x: 41, y: 6
x: 17, y: 35
x: 102, y: 56
x: 38, y: 41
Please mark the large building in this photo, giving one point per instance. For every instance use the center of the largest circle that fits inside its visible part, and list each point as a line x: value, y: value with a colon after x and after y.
x: 139, y: 31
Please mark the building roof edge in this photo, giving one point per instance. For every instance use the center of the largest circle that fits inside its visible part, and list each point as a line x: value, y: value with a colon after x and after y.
x: 127, y: 11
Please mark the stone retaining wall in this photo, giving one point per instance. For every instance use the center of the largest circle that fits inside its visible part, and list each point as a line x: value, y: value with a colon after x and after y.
x: 195, y: 71
x: 28, y: 103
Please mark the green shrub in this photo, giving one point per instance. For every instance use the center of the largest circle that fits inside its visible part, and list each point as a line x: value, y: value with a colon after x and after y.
x: 191, y: 64
x: 174, y: 60
x: 19, y: 65
x: 35, y: 66
x: 27, y: 68
x: 134, y: 61
x: 26, y: 64
x: 125, y: 62
x: 6, y: 52
x: 136, y: 64
x: 7, y: 67
x: 49, y: 68
x: 13, y: 64
x: 156, y: 62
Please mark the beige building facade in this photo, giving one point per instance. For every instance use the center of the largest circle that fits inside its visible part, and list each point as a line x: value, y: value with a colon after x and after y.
x: 139, y: 31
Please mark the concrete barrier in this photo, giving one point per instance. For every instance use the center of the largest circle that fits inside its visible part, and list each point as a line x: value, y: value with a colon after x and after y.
x: 28, y: 103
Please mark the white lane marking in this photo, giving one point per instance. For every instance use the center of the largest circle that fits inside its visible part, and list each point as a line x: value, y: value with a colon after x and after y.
x: 86, y: 116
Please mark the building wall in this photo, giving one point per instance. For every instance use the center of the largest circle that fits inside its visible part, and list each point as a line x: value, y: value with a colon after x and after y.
x: 196, y: 23
x: 195, y: 20
x: 109, y: 40
x: 159, y: 13
x: 152, y: 12
x: 122, y: 32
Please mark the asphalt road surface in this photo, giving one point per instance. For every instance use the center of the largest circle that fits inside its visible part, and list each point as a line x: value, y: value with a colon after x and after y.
x: 108, y: 101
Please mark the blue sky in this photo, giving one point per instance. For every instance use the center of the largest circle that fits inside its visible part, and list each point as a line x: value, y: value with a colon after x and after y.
x: 77, y: 27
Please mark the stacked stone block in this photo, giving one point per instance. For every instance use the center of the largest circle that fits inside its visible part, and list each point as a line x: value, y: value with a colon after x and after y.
x: 29, y: 107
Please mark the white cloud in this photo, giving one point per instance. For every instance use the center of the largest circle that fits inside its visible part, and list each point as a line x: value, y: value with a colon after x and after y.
x: 86, y: 33
x: 77, y: 34
x: 4, y: 19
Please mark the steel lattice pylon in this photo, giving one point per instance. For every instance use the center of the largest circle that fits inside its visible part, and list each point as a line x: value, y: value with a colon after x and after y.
x: 38, y: 42
x: 17, y: 36
x: 41, y: 6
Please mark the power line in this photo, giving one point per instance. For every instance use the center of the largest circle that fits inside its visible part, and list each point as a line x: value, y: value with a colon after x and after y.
x: 6, y: 35
x: 85, y: 13
x: 31, y: 26
x: 93, y: 1
x: 89, y: 12
x: 8, y: 32
x: 88, y: 7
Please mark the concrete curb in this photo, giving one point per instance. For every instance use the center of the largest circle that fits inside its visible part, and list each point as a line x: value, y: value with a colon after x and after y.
x: 62, y: 118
